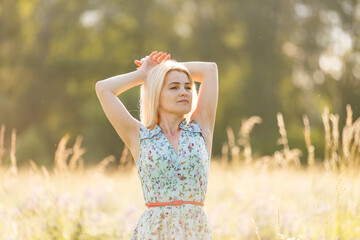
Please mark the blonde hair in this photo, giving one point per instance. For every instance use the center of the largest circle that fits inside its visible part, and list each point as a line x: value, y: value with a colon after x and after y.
x: 151, y: 88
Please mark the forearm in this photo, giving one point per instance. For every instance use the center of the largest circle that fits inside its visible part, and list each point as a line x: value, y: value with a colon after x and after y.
x: 121, y: 83
x: 200, y: 69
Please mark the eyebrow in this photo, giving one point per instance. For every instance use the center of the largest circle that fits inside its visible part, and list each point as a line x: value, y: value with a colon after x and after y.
x: 178, y: 83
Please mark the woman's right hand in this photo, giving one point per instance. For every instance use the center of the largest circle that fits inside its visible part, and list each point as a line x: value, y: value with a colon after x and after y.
x: 149, y: 62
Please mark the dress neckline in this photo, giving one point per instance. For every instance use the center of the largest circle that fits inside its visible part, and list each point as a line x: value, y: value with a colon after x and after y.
x: 181, y: 125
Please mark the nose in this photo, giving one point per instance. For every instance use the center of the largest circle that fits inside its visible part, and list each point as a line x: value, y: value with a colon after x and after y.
x: 183, y: 92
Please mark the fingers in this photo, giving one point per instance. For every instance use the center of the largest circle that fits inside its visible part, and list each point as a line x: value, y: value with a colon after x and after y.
x: 162, y: 57
x: 137, y: 62
x: 158, y: 55
x: 155, y: 56
x: 153, y: 53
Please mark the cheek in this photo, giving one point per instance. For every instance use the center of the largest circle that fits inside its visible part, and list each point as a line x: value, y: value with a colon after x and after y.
x: 166, y: 98
x: 190, y: 96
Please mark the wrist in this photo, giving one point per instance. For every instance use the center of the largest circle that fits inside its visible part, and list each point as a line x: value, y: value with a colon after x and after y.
x: 141, y: 75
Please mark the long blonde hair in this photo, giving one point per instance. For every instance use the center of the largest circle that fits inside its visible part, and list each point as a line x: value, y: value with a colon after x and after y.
x: 150, y: 92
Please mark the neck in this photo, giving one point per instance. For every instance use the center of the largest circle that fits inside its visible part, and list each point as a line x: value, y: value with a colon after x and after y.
x: 170, y: 124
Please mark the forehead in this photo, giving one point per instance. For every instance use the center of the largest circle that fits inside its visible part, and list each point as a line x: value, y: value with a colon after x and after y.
x: 176, y: 76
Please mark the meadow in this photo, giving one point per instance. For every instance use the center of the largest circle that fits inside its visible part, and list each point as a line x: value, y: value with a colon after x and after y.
x: 272, y: 197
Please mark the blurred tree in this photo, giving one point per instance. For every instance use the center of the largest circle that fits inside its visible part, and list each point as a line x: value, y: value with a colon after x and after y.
x: 293, y: 57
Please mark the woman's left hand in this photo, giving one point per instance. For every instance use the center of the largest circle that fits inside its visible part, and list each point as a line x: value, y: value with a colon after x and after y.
x: 147, y: 63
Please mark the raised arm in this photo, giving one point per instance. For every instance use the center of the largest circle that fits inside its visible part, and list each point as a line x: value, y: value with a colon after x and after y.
x: 207, y: 74
x: 107, y: 90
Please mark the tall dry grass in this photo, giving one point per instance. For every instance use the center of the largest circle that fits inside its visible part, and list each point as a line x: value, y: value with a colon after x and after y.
x: 345, y: 155
x: 341, y: 154
x: 65, y: 202
x: 310, y: 148
x: 264, y: 198
x: 67, y: 160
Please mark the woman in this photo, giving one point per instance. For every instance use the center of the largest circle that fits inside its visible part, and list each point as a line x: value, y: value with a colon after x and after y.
x: 171, y: 145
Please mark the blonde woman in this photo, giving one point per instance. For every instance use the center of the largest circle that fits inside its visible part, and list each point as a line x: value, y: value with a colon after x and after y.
x: 171, y: 145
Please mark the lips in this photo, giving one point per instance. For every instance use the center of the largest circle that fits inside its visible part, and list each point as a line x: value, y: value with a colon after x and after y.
x: 184, y: 101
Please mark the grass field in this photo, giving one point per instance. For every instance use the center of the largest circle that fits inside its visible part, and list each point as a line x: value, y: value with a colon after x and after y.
x: 243, y: 202
x: 271, y: 197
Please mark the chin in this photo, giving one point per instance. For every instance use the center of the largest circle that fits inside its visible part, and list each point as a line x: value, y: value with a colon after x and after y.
x: 186, y: 112
x: 183, y: 111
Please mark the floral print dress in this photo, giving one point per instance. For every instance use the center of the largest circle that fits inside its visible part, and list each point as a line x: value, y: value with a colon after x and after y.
x: 166, y: 176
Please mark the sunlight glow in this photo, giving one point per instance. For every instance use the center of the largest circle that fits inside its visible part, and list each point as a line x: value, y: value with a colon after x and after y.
x: 90, y: 17
x: 330, y: 17
x: 331, y: 64
x: 301, y: 79
x: 342, y: 41
x: 302, y: 10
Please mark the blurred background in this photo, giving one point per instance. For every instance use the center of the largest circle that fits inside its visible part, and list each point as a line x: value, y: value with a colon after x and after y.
x: 289, y: 56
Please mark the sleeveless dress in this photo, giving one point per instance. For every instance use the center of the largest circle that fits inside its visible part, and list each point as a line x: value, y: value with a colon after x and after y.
x: 166, y: 176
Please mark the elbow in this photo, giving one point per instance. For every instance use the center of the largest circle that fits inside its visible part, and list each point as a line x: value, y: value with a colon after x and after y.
x: 98, y: 86
x: 213, y: 66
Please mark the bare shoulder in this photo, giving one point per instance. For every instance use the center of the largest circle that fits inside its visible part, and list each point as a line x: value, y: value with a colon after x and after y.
x: 126, y: 126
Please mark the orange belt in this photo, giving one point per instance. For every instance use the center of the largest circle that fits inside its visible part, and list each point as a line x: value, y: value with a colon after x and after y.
x: 173, y: 203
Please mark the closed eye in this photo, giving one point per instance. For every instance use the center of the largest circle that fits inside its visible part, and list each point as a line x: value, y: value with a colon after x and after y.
x: 176, y: 88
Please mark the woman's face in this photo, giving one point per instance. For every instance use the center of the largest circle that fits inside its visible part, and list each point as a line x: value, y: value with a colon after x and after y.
x: 176, y: 93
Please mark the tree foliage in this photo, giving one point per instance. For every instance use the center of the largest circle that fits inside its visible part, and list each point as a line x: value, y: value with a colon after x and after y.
x: 294, y: 57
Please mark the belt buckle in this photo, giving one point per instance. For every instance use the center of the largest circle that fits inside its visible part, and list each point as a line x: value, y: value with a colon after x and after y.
x: 177, y: 202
